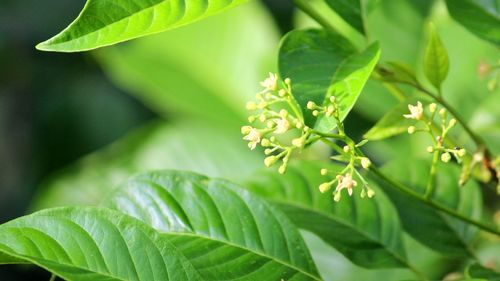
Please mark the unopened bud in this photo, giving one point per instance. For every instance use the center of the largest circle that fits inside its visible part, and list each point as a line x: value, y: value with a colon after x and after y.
x: 298, y: 142
x: 251, y: 119
x: 282, y: 93
x: 430, y: 149
x: 461, y: 152
x: 324, y: 187
x: 453, y: 122
x: 311, y: 105
x: 323, y: 172
x: 442, y: 113
x: 346, y: 148
x: 315, y: 113
x: 265, y: 142
x: 282, y: 169
x: 370, y: 193
x: 411, y: 130
x: 365, y: 163
x: 245, y: 130
x: 269, y: 161
x: 251, y: 105
x: 288, y: 81
x: 336, y: 197
x: 333, y: 99
x: 445, y: 157
x: 432, y: 107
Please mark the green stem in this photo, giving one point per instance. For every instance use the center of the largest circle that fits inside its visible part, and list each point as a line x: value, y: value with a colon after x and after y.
x: 433, y: 204
x: 305, y: 7
x: 432, y: 176
x: 53, y: 277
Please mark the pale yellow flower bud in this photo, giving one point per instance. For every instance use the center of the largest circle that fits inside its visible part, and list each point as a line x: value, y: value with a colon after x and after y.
x: 311, y: 105
x: 324, y: 187
x: 333, y: 99
x: 282, y: 169
x: 246, y: 129
x: 411, y: 130
x: 315, y: 113
x: 265, y: 143
x: 271, y: 160
x: 365, y: 163
x: 251, y: 119
x: 346, y: 148
x: 323, y: 172
x: 442, y: 112
x: 298, y: 142
x: 445, y: 157
x: 288, y: 81
x: 251, y: 105
x: 336, y: 197
x: 453, y: 122
x: 461, y: 152
x: 370, y: 193
x: 432, y: 107
x: 430, y: 149
x: 282, y: 93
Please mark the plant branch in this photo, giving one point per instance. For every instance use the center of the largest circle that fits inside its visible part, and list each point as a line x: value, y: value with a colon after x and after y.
x: 305, y: 7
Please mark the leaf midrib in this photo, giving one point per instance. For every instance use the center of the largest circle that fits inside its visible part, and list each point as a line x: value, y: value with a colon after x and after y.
x: 240, y: 247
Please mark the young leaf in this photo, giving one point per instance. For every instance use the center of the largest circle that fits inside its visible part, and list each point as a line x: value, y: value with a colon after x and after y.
x: 310, y: 58
x: 432, y: 228
x: 436, y: 63
x: 224, y: 231
x: 106, y: 22
x: 350, y: 11
x: 392, y: 123
x: 480, y: 17
x: 89, y: 243
x: 366, y: 231
x: 348, y: 82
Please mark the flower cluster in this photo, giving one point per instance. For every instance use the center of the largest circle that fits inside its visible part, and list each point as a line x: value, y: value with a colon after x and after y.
x: 349, y: 154
x: 438, y: 134
x: 275, y: 112
x: 270, y: 119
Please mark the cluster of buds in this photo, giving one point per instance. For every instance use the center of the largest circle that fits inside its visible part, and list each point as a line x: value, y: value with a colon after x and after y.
x: 269, y: 119
x: 348, y: 154
x: 438, y: 134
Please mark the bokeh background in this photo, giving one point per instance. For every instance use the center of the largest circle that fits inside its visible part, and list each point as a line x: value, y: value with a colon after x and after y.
x: 72, y: 126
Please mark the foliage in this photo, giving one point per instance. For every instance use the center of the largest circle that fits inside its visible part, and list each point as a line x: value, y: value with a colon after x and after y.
x: 179, y: 225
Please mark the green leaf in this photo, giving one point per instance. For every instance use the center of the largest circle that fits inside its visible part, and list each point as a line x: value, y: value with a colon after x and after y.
x: 348, y: 82
x: 367, y: 232
x: 393, y: 123
x: 185, y: 145
x: 478, y: 271
x: 398, y: 72
x: 226, y: 232
x: 350, y: 11
x: 91, y: 243
x: 173, y: 76
x: 481, y: 17
x: 320, y: 64
x: 436, y: 62
x: 438, y: 231
x: 310, y: 58
x: 103, y: 23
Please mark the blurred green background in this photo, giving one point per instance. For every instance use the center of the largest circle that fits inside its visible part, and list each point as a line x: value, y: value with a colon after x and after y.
x: 72, y: 126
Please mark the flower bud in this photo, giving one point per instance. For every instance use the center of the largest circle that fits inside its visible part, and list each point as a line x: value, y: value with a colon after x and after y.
x: 461, y: 152
x: 445, y: 157
x: 346, y: 148
x: 298, y: 142
x: 336, y: 197
x: 282, y: 169
x: 411, y: 130
x: 365, y: 163
x: 269, y: 161
x: 453, y: 122
x: 430, y: 149
x: 251, y: 105
x: 282, y: 93
x: 315, y: 113
x: 442, y: 113
x: 245, y: 130
x: 323, y: 172
x: 432, y: 107
x: 311, y: 105
x: 333, y: 99
x: 324, y: 187
x: 288, y: 81
x: 370, y: 193
x: 251, y: 119
x: 265, y: 142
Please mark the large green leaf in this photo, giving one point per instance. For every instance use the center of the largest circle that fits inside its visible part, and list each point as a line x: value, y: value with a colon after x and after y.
x: 348, y: 82
x: 478, y: 271
x: 436, y: 62
x: 186, y: 72
x: 350, y: 11
x: 225, y: 231
x: 321, y: 64
x: 310, y: 58
x: 366, y: 231
x: 196, y: 146
x: 94, y: 244
x: 106, y: 22
x: 481, y: 17
x: 432, y: 228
